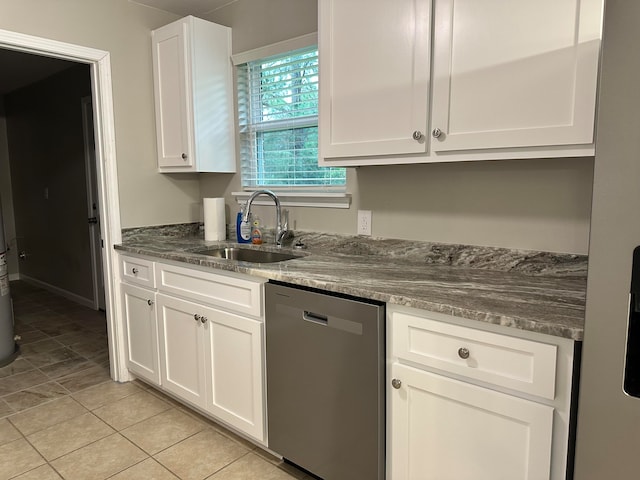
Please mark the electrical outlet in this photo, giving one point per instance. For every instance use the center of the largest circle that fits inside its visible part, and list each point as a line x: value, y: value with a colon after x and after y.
x: 364, y: 222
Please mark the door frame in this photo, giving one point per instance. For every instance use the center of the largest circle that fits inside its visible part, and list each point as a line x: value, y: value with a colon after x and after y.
x: 106, y: 168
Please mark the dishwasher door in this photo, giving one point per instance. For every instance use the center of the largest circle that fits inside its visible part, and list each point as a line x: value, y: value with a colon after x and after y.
x: 325, y: 382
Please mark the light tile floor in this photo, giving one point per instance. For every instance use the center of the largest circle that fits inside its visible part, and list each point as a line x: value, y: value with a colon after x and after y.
x: 61, y: 416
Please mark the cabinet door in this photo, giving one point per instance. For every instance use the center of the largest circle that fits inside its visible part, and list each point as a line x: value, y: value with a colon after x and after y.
x: 514, y: 73
x: 374, y: 75
x: 172, y: 95
x: 235, y: 384
x: 443, y: 429
x: 141, y: 332
x: 182, y: 355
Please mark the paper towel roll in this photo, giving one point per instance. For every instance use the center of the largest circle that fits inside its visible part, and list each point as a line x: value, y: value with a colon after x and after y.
x: 214, y: 220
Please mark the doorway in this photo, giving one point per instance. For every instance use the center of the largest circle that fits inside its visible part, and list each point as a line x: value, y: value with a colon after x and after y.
x: 47, y: 148
x: 105, y: 163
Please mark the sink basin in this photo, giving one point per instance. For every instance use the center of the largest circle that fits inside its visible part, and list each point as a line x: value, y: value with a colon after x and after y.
x: 247, y: 255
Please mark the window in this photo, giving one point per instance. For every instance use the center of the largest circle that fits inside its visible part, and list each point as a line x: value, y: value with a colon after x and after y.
x: 278, y: 123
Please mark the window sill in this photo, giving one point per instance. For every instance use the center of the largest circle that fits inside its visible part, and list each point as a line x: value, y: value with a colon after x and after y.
x: 300, y: 199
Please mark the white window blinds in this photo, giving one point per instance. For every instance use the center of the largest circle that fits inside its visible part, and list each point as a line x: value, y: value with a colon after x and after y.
x: 278, y: 123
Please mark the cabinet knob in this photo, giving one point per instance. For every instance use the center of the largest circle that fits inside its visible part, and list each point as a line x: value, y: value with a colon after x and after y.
x: 417, y: 135
x: 436, y: 133
x: 134, y: 270
x: 197, y: 317
x: 463, y: 353
x: 149, y: 302
x: 395, y: 383
x: 184, y: 156
x: 203, y: 319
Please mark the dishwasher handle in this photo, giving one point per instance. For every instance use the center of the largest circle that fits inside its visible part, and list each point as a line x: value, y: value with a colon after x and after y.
x: 315, y: 317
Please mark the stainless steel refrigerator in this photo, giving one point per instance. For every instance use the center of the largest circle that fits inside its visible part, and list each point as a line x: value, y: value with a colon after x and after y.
x: 608, y: 429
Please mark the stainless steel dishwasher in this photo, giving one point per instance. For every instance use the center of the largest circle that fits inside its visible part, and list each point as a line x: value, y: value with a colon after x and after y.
x: 325, y: 382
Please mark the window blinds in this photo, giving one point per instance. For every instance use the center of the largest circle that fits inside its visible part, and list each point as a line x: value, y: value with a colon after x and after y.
x: 278, y: 122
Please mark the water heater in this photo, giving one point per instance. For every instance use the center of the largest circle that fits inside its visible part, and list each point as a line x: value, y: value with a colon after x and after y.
x: 8, y: 347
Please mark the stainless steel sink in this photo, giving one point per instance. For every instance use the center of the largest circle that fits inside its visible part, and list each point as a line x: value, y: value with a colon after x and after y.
x: 247, y: 255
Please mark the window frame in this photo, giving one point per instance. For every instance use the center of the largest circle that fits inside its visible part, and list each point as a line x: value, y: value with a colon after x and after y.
x: 304, y: 195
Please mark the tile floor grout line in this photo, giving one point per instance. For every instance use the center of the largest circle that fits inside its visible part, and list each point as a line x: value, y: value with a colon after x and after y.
x: 114, y: 431
x: 31, y: 386
x: 83, y: 446
x: 227, y: 466
x: 102, y: 404
x: 39, y: 404
x: 144, y: 419
x: 153, y: 455
x: 130, y: 466
x: 33, y: 447
x: 27, y: 411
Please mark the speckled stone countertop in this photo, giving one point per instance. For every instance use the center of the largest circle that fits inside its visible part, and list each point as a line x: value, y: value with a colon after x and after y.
x: 537, y: 291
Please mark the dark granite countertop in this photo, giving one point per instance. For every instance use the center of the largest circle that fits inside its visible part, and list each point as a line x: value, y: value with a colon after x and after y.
x: 536, y: 291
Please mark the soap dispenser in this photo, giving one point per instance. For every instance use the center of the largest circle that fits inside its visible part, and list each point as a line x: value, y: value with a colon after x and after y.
x: 256, y: 232
x: 243, y: 229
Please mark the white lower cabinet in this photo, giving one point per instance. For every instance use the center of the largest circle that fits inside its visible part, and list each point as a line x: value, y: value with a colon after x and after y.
x: 445, y: 429
x: 233, y: 350
x: 182, y: 338
x: 472, y: 401
x: 141, y: 332
x: 213, y: 360
x: 200, y: 337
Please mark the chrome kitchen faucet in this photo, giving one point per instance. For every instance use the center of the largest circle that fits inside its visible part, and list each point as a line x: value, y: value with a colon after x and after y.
x: 282, y: 231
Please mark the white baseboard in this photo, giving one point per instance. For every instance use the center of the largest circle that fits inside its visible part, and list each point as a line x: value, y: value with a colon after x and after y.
x: 60, y: 291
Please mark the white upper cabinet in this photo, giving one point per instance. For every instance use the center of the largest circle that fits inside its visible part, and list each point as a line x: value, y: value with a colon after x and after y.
x: 374, y: 75
x: 508, y: 79
x: 193, y: 88
x: 514, y: 73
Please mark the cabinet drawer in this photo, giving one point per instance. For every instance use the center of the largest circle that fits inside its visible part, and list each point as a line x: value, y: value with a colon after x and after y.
x: 138, y: 271
x: 232, y: 293
x: 514, y: 363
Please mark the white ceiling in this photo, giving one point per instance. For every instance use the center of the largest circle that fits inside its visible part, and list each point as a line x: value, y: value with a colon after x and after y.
x: 185, y: 7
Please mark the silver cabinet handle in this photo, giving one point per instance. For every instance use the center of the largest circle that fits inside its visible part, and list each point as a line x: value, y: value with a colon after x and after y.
x: 463, y: 353
x: 417, y: 135
x: 395, y: 383
x: 436, y: 133
x: 134, y: 270
x: 149, y: 302
x: 203, y: 319
x: 184, y: 156
x: 197, y: 317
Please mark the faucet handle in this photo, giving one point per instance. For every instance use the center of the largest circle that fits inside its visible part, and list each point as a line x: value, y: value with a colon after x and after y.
x: 285, y: 219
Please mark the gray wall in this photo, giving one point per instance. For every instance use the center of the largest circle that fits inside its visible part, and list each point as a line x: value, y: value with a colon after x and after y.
x: 526, y: 204
x: 46, y: 153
